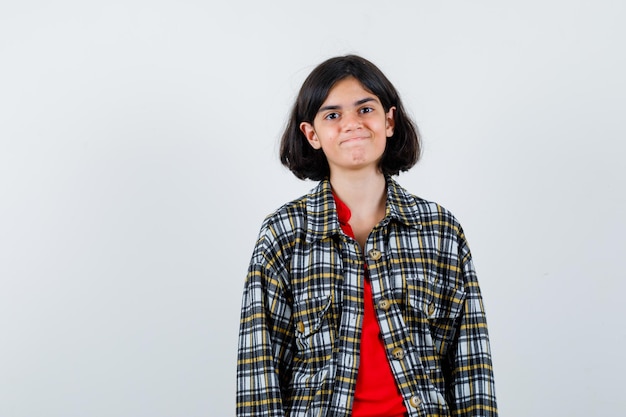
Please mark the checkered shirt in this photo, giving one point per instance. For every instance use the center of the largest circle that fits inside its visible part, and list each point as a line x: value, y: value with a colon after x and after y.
x: 302, y: 312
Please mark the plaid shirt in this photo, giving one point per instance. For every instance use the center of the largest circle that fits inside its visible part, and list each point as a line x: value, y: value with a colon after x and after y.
x: 302, y: 312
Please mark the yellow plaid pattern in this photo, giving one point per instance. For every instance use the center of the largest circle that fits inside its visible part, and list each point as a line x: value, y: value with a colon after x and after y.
x: 302, y: 310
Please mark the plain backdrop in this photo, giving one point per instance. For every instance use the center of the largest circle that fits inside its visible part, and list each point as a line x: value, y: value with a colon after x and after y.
x: 138, y: 157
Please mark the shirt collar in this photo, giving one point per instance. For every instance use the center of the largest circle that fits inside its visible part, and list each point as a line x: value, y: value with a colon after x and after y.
x: 322, y: 220
x: 401, y: 206
x: 322, y: 212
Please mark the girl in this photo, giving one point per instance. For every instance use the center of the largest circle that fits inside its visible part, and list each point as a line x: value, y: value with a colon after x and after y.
x: 361, y: 299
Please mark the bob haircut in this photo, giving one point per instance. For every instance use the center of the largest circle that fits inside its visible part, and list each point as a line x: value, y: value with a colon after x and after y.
x: 403, y: 149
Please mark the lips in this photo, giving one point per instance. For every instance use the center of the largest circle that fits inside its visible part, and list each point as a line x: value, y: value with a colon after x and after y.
x: 354, y: 139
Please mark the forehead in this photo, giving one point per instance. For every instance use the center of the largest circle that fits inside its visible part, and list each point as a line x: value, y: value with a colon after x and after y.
x: 348, y: 89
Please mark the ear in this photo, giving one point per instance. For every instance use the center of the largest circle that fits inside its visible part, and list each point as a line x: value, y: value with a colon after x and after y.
x: 390, y: 121
x: 310, y: 135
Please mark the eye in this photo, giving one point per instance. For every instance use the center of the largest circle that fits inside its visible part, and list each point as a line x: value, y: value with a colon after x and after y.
x: 366, y: 110
x: 331, y: 116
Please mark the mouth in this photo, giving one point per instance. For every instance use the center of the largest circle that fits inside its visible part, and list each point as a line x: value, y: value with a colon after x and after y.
x: 354, y: 139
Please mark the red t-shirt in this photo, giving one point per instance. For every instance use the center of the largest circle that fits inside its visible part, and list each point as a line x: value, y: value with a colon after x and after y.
x: 376, y: 393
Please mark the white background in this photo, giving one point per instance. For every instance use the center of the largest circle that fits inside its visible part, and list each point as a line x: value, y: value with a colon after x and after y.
x: 138, y: 157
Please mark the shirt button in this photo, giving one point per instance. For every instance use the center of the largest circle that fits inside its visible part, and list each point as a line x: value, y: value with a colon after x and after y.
x: 431, y: 308
x: 375, y: 254
x: 384, y: 304
x: 398, y: 353
x: 415, y: 401
x: 301, y: 326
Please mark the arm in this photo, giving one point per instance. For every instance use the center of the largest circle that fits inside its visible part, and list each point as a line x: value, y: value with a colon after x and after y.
x: 470, y: 381
x: 265, y: 343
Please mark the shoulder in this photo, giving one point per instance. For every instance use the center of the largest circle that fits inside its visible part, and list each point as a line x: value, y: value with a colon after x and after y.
x: 281, y: 230
x: 434, y: 212
x: 287, y: 218
x: 420, y: 211
x: 435, y: 226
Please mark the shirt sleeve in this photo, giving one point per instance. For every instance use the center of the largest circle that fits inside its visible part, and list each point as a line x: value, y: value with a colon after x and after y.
x: 265, y: 341
x: 470, y: 379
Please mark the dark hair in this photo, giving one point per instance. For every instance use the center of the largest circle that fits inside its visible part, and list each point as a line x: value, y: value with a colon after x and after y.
x: 403, y: 148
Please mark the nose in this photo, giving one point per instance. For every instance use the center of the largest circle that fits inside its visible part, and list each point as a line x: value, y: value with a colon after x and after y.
x: 351, y: 121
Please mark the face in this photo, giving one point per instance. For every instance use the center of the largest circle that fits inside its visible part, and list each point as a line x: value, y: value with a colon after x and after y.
x: 351, y: 128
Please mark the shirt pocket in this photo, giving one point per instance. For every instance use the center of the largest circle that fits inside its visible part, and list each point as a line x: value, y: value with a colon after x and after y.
x: 313, y: 330
x: 436, y: 307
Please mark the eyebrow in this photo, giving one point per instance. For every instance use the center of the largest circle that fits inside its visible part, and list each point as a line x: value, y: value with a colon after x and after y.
x: 356, y: 103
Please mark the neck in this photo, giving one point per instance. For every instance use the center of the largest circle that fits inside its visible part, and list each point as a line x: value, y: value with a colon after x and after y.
x: 364, y: 193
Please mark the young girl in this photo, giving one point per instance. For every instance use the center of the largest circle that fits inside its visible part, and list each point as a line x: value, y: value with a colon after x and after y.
x: 361, y: 299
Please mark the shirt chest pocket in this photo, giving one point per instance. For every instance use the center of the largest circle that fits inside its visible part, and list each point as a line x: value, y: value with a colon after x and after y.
x: 437, y: 308
x: 436, y: 300
x: 313, y: 327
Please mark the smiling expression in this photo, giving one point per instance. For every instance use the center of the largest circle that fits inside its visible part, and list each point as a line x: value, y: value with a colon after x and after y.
x: 351, y: 127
